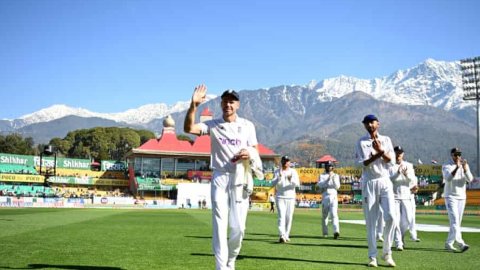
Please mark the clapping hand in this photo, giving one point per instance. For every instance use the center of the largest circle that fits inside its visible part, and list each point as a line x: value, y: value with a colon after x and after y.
x: 377, y: 145
x: 402, y: 169
x: 465, y: 164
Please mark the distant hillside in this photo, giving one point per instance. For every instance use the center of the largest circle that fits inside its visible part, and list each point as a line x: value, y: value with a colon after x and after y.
x: 425, y: 132
x: 420, y: 108
x: 44, y: 132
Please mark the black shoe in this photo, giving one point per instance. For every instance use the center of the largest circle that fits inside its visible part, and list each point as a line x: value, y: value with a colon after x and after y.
x: 336, y: 235
x: 464, y: 248
x: 281, y: 240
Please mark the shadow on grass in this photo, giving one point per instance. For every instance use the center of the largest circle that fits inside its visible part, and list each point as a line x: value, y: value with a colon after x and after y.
x: 422, y: 249
x: 242, y: 257
x: 346, y: 238
x: 262, y: 234
x: 339, y: 245
x: 312, y: 237
x: 62, y: 266
x: 198, y: 236
x: 329, y: 237
x: 265, y: 240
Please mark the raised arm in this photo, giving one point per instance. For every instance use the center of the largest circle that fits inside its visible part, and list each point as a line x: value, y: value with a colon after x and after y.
x: 189, y: 125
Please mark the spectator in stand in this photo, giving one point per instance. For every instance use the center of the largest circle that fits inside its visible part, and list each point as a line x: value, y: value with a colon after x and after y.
x: 456, y: 174
x: 285, y: 180
x: 329, y: 183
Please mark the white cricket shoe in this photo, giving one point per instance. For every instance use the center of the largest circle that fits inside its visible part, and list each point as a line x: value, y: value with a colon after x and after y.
x: 389, y: 260
x: 450, y: 247
x: 373, y: 262
x: 380, y: 238
x: 231, y: 264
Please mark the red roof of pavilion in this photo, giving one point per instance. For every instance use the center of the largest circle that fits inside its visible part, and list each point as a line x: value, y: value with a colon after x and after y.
x: 202, y: 144
x: 326, y: 158
x: 168, y: 142
x: 206, y: 112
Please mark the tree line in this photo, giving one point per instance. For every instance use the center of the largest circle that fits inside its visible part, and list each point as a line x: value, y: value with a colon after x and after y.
x: 100, y: 143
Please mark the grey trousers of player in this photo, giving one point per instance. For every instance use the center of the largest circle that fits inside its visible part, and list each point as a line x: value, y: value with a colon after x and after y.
x: 455, y: 208
x: 226, y: 212
x: 404, y: 217
x: 376, y: 192
x: 285, y: 208
x: 330, y: 208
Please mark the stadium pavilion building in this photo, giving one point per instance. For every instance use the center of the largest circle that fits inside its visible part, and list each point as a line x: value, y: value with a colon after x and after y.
x: 158, y: 165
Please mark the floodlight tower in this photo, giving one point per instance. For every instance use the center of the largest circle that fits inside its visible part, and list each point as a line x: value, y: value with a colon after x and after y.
x: 471, y: 86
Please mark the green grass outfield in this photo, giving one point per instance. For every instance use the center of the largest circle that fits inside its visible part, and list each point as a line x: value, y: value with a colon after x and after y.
x: 181, y: 239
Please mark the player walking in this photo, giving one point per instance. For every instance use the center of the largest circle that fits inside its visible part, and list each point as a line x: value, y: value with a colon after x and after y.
x: 374, y: 152
x: 329, y: 183
x: 231, y: 137
x: 456, y: 173
x: 403, y: 178
x: 285, y: 181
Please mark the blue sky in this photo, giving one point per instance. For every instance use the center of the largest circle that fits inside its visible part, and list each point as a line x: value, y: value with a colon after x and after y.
x: 110, y: 56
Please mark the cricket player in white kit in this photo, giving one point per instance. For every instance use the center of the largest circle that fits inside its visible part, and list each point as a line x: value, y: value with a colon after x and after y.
x: 380, y: 225
x: 329, y: 183
x: 413, y: 227
x: 230, y: 138
x: 456, y: 174
x: 403, y: 178
x: 285, y: 181
x: 374, y: 152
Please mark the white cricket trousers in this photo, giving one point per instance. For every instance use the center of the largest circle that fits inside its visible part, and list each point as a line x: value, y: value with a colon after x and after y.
x: 285, y: 209
x: 330, y: 207
x: 226, y: 213
x: 455, y: 208
x: 404, y: 218
x: 376, y: 192
x: 413, y: 227
x: 380, y: 224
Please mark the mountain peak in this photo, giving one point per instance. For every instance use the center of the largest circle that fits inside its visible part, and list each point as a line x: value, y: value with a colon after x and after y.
x: 431, y: 82
x: 54, y: 112
x: 140, y: 115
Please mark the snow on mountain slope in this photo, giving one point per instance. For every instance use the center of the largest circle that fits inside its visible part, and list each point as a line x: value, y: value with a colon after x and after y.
x: 140, y: 115
x: 434, y: 83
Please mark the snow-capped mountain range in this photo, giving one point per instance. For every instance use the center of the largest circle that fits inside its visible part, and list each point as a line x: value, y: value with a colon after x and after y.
x: 139, y: 116
x: 433, y: 83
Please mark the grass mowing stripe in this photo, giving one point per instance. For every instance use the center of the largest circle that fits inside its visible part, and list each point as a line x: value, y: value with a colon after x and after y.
x: 181, y: 239
x: 137, y: 239
x: 15, y: 221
